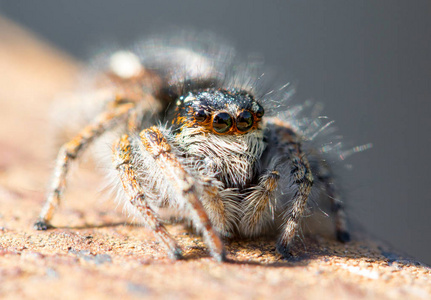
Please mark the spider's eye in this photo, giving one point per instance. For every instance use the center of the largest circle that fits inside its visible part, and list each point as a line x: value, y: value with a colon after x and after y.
x: 200, y: 115
x: 258, y: 110
x: 222, y: 122
x: 244, y: 121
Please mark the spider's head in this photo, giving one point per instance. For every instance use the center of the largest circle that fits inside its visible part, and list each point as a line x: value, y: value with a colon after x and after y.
x: 223, y: 129
x: 219, y: 111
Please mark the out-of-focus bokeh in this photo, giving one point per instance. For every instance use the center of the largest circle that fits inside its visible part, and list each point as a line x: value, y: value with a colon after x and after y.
x: 369, y: 62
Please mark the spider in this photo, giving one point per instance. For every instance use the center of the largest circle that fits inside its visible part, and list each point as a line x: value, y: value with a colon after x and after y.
x: 193, y: 131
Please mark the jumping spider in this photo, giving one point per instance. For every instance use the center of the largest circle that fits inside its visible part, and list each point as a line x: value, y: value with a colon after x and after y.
x: 194, y: 133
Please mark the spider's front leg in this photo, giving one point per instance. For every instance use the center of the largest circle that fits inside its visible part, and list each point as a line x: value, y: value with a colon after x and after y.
x: 287, y: 154
x: 71, y: 151
x: 302, y: 180
x: 185, y: 188
x: 222, y: 206
x: 259, y: 204
x: 123, y: 161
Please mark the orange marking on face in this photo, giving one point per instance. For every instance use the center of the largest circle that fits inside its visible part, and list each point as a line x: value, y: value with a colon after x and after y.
x: 207, y: 125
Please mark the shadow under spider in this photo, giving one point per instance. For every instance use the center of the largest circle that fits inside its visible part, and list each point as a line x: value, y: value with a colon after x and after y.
x: 93, y: 226
x: 262, y: 251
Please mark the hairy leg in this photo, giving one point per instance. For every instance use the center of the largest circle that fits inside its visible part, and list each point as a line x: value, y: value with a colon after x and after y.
x: 123, y: 158
x: 182, y: 184
x: 71, y: 151
x: 302, y: 180
x: 285, y: 156
x: 341, y: 228
x: 258, y: 206
x: 222, y: 206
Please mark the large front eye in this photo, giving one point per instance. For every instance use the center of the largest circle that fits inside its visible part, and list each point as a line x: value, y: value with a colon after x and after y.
x: 244, y: 121
x: 222, y: 122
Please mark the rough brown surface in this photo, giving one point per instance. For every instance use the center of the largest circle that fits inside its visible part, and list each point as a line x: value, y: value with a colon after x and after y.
x: 93, y: 253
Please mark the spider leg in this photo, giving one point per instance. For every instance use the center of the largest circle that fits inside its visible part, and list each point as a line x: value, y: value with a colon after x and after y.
x: 288, y: 155
x: 259, y: 203
x: 71, y: 151
x: 337, y: 206
x: 222, y: 207
x: 182, y: 184
x: 302, y: 178
x: 123, y: 158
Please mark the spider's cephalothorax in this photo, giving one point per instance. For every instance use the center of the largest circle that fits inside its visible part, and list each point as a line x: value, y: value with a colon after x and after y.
x: 213, y: 155
x: 222, y: 130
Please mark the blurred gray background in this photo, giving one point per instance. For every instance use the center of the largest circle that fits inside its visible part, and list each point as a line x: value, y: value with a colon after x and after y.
x: 369, y: 62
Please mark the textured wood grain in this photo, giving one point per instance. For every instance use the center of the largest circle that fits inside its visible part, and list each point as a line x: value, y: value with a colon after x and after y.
x: 94, y: 253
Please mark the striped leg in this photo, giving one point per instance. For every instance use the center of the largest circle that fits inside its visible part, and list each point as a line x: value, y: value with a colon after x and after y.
x: 183, y: 185
x: 71, y: 151
x: 259, y: 203
x: 289, y: 153
x: 341, y: 229
x: 302, y: 179
x: 128, y: 176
